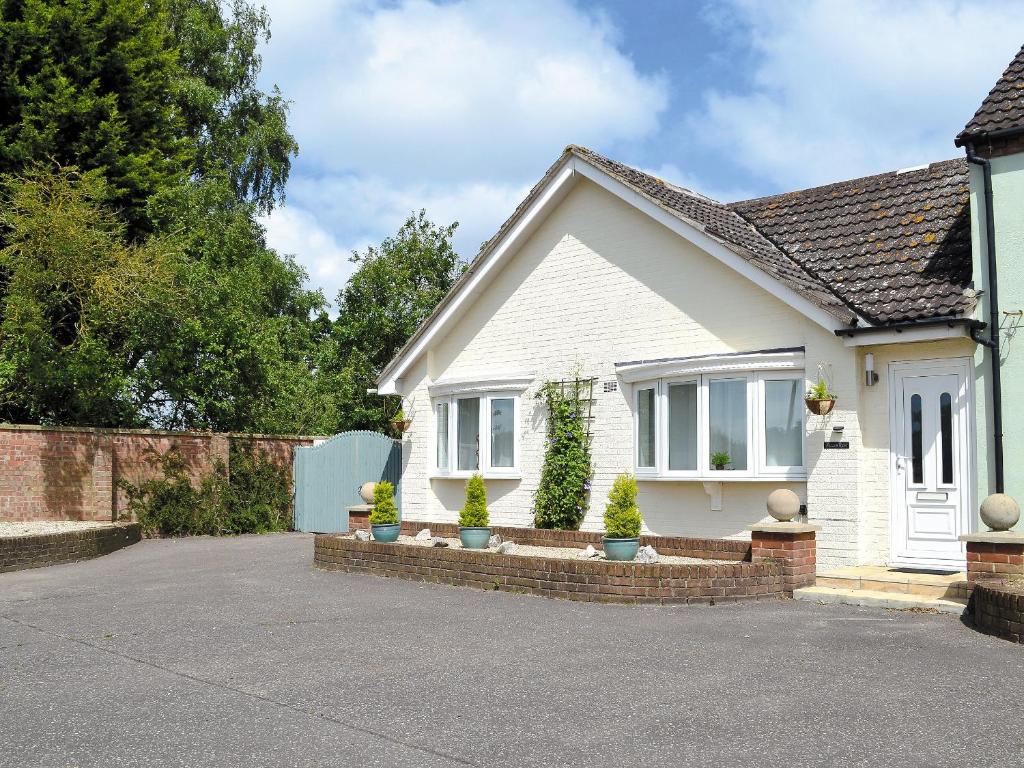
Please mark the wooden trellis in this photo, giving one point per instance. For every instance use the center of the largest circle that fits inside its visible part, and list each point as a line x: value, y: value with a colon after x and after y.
x: 582, y: 391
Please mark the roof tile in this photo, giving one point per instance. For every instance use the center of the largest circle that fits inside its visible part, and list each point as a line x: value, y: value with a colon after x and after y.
x: 1003, y: 108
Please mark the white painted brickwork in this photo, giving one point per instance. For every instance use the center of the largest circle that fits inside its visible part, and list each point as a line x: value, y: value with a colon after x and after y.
x: 600, y: 283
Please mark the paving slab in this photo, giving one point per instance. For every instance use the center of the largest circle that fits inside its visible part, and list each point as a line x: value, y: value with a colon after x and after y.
x: 237, y: 652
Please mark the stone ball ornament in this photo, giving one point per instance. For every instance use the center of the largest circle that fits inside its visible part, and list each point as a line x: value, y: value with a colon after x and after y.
x: 1000, y: 512
x: 366, y: 492
x: 783, y: 505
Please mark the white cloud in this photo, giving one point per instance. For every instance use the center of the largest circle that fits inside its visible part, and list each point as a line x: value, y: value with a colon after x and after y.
x: 454, y: 107
x: 477, y: 88
x: 846, y: 89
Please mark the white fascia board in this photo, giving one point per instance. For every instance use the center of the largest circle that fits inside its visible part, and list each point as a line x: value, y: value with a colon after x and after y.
x: 498, y: 382
x: 709, y: 245
x: 551, y: 196
x: 657, y: 369
x: 908, y: 336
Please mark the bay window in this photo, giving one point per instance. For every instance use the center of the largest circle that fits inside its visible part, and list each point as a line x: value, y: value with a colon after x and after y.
x: 756, y: 418
x: 482, y: 428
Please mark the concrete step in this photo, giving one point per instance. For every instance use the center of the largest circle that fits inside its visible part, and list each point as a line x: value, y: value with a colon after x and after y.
x: 951, y: 586
x: 879, y: 599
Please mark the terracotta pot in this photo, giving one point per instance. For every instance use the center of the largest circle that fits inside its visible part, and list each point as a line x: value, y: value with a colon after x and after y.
x: 820, y: 407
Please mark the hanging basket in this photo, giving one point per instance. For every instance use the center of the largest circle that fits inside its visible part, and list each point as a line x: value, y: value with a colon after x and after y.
x: 401, y: 425
x: 820, y: 407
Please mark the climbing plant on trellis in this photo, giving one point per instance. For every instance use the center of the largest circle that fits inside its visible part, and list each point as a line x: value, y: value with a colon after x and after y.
x: 562, y: 498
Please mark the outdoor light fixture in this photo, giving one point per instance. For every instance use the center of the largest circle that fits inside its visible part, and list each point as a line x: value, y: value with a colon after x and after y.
x: 870, y: 377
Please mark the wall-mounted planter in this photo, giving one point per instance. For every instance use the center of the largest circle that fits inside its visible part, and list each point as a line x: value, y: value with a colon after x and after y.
x: 820, y: 407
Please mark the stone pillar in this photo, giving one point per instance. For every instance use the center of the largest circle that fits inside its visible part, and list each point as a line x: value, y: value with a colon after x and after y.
x: 792, y: 545
x: 994, y: 555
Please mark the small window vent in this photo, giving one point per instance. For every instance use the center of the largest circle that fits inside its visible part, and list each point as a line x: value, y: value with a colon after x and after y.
x: 611, y: 386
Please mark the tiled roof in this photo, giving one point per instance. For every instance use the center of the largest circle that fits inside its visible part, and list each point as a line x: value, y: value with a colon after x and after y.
x: 1003, y: 108
x: 728, y: 227
x: 896, y: 246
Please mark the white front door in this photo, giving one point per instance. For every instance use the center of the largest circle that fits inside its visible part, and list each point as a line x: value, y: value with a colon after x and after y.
x: 930, y: 462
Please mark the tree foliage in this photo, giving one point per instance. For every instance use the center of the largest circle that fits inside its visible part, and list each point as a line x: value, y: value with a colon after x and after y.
x: 474, y: 513
x: 622, y: 518
x: 395, y: 287
x: 384, y: 511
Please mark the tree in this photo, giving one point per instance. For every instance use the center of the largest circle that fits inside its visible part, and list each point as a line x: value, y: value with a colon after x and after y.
x: 395, y: 287
x: 81, y: 309
x: 90, y: 83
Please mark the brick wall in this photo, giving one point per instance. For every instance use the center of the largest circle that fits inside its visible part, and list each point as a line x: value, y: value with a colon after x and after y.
x: 21, y: 552
x: 584, y: 580
x: 997, y: 607
x: 73, y: 473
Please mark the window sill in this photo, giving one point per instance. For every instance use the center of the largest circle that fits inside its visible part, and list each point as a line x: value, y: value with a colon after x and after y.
x: 725, y: 477
x: 467, y: 475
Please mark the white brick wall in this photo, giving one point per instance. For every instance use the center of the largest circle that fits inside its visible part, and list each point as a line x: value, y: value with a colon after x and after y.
x: 599, y: 283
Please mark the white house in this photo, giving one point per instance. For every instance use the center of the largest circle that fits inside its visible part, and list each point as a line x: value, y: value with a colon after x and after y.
x: 703, y: 325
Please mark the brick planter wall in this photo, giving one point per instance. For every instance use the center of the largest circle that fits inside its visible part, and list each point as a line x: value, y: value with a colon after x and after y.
x: 675, y: 546
x: 586, y: 580
x: 72, y: 473
x: 997, y: 608
x: 20, y: 552
x: 994, y: 555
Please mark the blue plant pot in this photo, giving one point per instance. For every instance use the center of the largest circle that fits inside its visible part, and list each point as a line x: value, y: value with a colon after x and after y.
x: 474, y: 538
x: 621, y: 549
x: 386, y: 533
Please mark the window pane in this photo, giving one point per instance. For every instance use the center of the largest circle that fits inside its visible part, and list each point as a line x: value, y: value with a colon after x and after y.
x: 916, y: 449
x: 728, y: 415
x: 442, y: 435
x: 946, y: 427
x: 682, y: 426
x: 645, y: 428
x: 468, y: 417
x: 502, y: 434
x: 783, y: 423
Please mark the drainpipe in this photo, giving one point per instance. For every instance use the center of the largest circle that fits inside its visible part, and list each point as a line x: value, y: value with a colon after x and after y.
x: 993, y: 312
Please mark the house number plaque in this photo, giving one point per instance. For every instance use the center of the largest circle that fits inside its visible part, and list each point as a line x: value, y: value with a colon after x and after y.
x: 837, y: 445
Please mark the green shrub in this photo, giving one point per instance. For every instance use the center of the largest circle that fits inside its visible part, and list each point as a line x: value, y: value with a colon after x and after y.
x: 250, y: 495
x: 560, y: 501
x: 719, y: 459
x: 622, y: 515
x: 474, y: 514
x: 384, y: 510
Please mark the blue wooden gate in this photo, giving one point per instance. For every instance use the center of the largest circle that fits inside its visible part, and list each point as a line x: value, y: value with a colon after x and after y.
x: 327, y: 477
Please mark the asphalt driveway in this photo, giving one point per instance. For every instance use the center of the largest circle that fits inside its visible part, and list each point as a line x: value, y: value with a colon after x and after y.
x: 236, y: 652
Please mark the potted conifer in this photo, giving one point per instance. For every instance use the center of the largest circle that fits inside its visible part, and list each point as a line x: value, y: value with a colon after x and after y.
x: 384, y: 516
x: 622, y: 520
x: 474, y: 532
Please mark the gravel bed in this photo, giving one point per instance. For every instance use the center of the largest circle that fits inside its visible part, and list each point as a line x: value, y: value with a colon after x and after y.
x: 559, y: 553
x: 39, y: 527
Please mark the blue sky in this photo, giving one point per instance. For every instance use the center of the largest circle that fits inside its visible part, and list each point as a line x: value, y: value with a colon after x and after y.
x: 459, y: 106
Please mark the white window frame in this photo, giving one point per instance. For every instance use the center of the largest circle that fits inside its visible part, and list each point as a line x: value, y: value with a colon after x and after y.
x: 762, y: 452
x: 485, y: 469
x: 757, y: 466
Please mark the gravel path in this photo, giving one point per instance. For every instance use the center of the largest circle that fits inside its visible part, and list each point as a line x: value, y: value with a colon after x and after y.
x: 557, y: 553
x: 37, y: 527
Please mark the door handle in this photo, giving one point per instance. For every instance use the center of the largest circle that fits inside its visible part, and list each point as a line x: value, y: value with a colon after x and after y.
x: 901, y: 463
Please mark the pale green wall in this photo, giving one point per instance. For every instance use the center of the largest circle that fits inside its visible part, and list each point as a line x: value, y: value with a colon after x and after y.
x: 1008, y: 204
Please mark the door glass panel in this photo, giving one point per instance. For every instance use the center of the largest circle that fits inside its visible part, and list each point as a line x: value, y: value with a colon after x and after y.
x: 682, y: 426
x: 783, y: 423
x: 645, y: 428
x: 946, y: 436
x: 468, y: 418
x: 442, y: 435
x: 502, y: 435
x: 728, y: 416
x: 916, y: 447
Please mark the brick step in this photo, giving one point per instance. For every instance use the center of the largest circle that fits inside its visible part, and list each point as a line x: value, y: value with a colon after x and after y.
x: 879, y: 599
